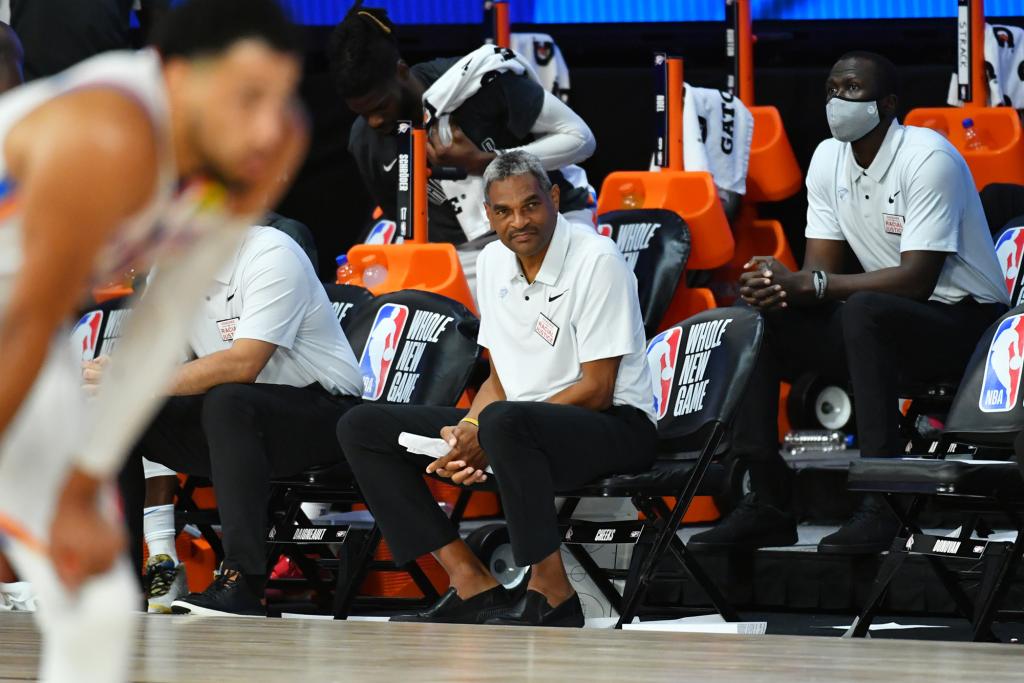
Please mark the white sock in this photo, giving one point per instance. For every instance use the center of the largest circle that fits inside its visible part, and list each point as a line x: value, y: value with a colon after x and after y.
x: 158, y: 527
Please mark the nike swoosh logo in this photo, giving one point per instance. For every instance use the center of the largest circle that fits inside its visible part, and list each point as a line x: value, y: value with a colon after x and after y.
x: 892, y: 199
x: 388, y: 167
x: 557, y: 296
x: 231, y: 297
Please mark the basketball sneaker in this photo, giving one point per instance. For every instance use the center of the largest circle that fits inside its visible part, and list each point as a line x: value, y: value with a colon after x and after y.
x: 165, y: 582
x: 228, y: 596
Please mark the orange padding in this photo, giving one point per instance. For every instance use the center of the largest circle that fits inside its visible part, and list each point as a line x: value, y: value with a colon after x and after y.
x: 400, y: 584
x: 685, y: 303
x: 773, y: 173
x: 755, y: 237
x: 998, y: 128
x: 428, y: 267
x: 691, y: 195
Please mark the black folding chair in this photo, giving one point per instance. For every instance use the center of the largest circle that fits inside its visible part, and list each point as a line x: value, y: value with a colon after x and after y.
x: 656, y: 243
x: 431, y: 343
x: 346, y: 301
x: 1010, y: 252
x: 987, y: 412
x: 694, y: 407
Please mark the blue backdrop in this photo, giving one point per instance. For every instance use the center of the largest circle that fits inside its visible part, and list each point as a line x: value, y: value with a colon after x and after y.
x: 584, y: 11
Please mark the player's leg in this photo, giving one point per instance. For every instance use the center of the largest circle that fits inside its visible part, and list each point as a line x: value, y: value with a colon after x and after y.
x: 35, y: 457
x: 88, y: 636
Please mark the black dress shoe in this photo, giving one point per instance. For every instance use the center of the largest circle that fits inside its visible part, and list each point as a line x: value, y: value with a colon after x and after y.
x: 533, y: 609
x: 750, y: 526
x: 451, y: 609
x: 870, y: 531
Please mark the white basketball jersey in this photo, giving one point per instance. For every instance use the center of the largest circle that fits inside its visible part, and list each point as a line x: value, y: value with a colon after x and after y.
x: 162, y: 222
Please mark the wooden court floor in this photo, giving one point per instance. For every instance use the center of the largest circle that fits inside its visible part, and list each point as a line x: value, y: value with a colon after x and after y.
x: 195, y: 649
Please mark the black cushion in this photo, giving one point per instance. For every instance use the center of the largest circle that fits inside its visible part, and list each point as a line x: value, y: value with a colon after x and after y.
x: 984, y: 479
x: 665, y: 478
x: 656, y: 243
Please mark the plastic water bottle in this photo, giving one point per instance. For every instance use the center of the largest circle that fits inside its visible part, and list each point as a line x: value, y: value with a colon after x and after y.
x: 374, y: 275
x: 823, y: 440
x: 971, y: 134
x: 346, y: 273
x: 632, y: 196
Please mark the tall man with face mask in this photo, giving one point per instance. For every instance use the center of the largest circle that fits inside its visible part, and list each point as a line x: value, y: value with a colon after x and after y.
x: 903, y: 200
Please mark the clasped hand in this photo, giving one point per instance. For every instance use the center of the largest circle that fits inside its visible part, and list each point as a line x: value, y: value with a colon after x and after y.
x: 461, y: 153
x: 466, y: 462
x: 769, y: 285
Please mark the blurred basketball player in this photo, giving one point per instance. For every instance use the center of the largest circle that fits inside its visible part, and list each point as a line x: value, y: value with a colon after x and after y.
x: 123, y: 159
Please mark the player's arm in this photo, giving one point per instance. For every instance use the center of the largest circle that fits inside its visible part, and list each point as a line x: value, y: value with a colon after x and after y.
x: 74, y: 190
x: 562, y: 136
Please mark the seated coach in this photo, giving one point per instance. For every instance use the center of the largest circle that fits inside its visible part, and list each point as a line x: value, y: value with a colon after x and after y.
x: 568, y: 400
x: 273, y: 373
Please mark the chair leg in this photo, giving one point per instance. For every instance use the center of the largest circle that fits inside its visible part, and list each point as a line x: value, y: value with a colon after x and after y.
x: 993, y: 587
x: 634, y: 596
x: 893, y: 561
x: 949, y: 580
x: 597, y: 575
x: 352, y: 569
x: 686, y: 558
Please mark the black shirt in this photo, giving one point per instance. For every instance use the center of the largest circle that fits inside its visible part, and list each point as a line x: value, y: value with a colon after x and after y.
x: 499, y: 116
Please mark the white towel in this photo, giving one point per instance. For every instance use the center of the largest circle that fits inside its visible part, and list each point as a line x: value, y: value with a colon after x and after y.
x: 460, y: 82
x: 426, y: 445
x: 1004, y: 51
x: 718, y: 130
x: 543, y: 54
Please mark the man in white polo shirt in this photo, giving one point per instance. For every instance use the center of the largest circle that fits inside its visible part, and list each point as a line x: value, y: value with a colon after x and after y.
x: 568, y: 400
x: 903, y: 200
x: 273, y: 373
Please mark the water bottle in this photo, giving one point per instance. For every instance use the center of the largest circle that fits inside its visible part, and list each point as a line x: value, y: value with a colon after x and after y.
x: 346, y: 274
x: 971, y: 134
x: 632, y: 196
x: 823, y: 440
x: 374, y: 275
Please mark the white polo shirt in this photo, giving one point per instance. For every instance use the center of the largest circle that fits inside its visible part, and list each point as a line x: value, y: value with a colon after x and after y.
x: 582, y: 307
x: 269, y: 292
x: 917, y: 195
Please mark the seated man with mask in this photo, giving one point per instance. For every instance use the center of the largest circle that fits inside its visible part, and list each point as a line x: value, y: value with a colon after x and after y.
x: 568, y: 400
x: 902, y: 198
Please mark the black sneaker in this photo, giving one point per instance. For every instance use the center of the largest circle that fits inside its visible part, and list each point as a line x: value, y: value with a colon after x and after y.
x: 451, y: 609
x: 533, y: 609
x: 870, y: 531
x: 228, y: 596
x: 750, y: 526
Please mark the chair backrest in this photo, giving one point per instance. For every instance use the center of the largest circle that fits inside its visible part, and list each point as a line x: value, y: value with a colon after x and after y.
x: 1010, y: 252
x: 346, y: 301
x: 988, y: 409
x: 656, y: 243
x: 97, y: 331
x: 414, y: 347
x: 700, y: 369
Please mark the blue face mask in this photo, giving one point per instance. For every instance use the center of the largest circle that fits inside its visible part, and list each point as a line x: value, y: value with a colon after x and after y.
x: 850, y: 120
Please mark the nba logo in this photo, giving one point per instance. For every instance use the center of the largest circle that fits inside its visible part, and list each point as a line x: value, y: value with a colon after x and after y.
x: 1000, y: 388
x: 662, y: 353
x: 85, y: 337
x: 379, y: 352
x: 605, y: 229
x: 382, y: 233
x: 1009, y: 250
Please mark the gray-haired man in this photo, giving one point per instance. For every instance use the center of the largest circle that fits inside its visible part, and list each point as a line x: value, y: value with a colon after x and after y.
x: 568, y: 400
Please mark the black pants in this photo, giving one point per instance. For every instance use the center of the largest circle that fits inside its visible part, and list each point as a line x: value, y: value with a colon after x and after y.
x: 535, y: 450
x: 239, y: 436
x: 873, y: 341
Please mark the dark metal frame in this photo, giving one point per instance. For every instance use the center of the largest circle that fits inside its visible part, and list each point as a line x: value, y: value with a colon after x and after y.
x: 355, y: 558
x: 661, y: 520
x: 999, y: 560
